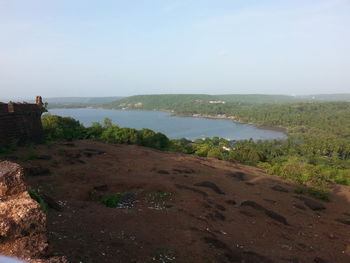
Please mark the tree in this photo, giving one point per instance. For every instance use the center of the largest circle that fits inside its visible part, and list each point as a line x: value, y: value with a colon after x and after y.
x: 58, y: 128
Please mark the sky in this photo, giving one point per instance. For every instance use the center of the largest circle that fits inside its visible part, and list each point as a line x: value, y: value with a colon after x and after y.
x: 63, y: 48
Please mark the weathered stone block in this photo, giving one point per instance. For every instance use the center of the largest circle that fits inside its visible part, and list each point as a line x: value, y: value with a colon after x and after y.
x: 22, y: 223
x: 11, y: 179
x: 20, y: 123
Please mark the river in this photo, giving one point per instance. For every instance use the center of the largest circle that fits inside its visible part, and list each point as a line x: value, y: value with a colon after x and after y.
x: 172, y: 126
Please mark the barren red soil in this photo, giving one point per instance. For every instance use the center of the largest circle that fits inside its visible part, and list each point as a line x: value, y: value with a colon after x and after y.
x: 184, y: 209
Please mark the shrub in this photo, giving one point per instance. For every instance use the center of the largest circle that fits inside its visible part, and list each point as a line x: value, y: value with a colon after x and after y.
x: 202, y: 150
x: 264, y: 165
x: 95, y: 131
x: 160, y: 196
x: 321, y: 193
x: 342, y: 177
x: 182, y: 145
x: 30, y: 157
x: 114, y: 134
x: 37, y: 197
x: 8, y: 149
x: 152, y: 139
x: 112, y: 200
x: 57, y: 128
x: 215, y: 152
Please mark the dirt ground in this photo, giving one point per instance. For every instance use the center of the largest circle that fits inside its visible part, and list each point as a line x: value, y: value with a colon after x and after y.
x: 179, y: 208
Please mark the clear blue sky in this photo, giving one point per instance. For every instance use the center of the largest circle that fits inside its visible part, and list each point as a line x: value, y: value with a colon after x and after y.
x: 104, y: 48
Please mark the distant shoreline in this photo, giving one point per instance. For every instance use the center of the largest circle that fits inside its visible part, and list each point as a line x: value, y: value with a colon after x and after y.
x: 234, y: 119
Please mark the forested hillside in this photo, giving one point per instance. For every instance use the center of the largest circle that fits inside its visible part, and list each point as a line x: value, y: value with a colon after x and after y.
x: 176, y: 100
x: 317, y: 149
x: 166, y: 101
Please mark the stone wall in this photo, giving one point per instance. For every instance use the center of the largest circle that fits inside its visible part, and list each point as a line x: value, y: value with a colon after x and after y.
x: 20, y: 123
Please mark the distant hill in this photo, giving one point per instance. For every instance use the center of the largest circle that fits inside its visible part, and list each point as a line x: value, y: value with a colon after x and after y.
x: 171, y: 101
x: 160, y: 101
x: 261, y: 98
x: 79, y: 102
x: 327, y: 97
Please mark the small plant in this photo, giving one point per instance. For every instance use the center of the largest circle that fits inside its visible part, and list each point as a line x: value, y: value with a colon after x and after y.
x: 164, y: 255
x: 7, y: 149
x: 319, y: 187
x: 322, y: 194
x: 55, y: 163
x: 37, y: 197
x: 317, y: 193
x: 112, y: 200
x: 158, y: 199
x: 30, y: 157
x: 61, y: 152
x: 118, y: 200
x: 159, y: 196
x: 31, y: 146
x: 299, y: 191
x: 48, y: 188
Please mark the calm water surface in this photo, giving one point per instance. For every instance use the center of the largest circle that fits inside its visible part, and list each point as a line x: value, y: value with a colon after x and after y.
x: 173, y: 127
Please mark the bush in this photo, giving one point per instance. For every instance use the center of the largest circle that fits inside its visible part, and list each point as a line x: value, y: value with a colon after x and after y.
x: 37, y: 197
x: 8, y: 149
x: 112, y: 200
x: 202, y: 150
x: 94, y: 132
x: 57, y: 128
x: 342, y: 177
x: 114, y: 134
x: 321, y: 193
x: 152, y: 139
x: 30, y: 157
x: 293, y: 168
x: 182, y: 145
x: 215, y: 153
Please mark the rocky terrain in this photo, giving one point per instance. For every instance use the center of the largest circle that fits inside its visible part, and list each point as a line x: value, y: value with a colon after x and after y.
x: 173, y: 208
x: 22, y: 223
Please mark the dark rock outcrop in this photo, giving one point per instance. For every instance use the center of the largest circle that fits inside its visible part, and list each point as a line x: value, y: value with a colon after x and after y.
x: 185, y: 187
x: 269, y: 213
x: 234, y: 254
x: 37, y: 171
x: 280, y: 189
x: 212, y: 186
x: 312, y: 204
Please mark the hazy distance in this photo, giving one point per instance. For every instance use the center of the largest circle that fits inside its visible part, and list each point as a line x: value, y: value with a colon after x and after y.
x: 122, y: 48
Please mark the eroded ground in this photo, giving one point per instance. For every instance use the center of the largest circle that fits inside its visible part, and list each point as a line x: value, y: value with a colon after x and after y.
x: 179, y: 208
